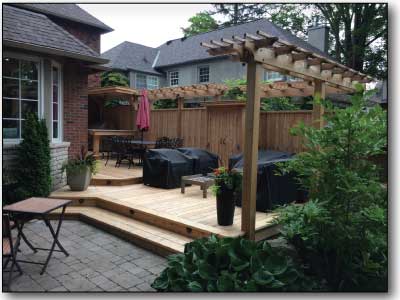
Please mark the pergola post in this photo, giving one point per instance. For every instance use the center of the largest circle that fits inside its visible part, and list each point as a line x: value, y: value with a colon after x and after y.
x: 252, y: 123
x: 180, y: 101
x: 318, y: 110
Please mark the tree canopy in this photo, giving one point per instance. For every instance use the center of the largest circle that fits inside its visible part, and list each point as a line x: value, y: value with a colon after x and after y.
x: 201, y: 22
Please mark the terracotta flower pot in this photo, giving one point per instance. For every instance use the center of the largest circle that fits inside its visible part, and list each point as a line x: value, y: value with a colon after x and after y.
x: 225, y: 206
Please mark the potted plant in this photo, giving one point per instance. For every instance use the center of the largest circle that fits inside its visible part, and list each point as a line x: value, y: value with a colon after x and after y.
x: 228, y: 183
x: 80, y: 170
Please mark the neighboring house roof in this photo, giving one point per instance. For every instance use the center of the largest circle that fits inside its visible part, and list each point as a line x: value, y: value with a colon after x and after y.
x: 34, y: 31
x: 188, y: 49
x: 131, y: 56
x: 70, y: 12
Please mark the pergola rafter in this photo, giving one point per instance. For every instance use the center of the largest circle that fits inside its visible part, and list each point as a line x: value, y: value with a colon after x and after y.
x: 321, y: 75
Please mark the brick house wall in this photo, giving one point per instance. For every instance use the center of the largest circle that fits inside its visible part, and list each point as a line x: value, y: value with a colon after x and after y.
x: 94, y: 80
x: 86, y: 34
x: 75, y: 107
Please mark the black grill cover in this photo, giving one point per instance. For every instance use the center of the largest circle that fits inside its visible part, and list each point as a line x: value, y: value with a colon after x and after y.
x: 204, y: 161
x: 164, y: 168
x: 272, y: 190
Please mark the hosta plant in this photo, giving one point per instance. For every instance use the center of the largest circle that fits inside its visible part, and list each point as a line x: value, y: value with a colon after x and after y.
x: 230, y: 264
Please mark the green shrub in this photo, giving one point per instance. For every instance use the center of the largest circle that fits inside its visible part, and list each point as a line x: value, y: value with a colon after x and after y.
x: 32, y: 165
x: 277, y: 103
x: 165, y: 104
x: 112, y: 78
x: 230, y: 264
x: 79, y: 164
x: 341, y: 233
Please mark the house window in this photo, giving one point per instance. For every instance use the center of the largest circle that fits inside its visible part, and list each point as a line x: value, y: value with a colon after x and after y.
x: 20, y: 94
x: 272, y: 76
x: 204, y: 74
x: 174, y: 78
x: 56, y: 99
x: 152, y: 82
x: 141, y: 81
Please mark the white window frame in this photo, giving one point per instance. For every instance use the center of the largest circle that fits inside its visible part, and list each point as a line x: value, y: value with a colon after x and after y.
x: 40, y: 81
x: 60, y: 103
x: 136, y: 80
x: 153, y: 87
x: 170, y: 77
x: 266, y: 75
x: 199, y: 75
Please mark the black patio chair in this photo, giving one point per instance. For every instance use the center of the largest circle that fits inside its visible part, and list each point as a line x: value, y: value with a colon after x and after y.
x: 106, y: 148
x: 122, y: 148
x: 162, y: 142
x: 9, y: 246
x: 175, y: 143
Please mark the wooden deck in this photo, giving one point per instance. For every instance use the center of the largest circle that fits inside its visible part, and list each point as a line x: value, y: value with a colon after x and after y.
x: 158, y: 219
x: 110, y: 175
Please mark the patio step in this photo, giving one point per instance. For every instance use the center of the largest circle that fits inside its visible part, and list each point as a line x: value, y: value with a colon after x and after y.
x: 116, y: 181
x: 158, y: 240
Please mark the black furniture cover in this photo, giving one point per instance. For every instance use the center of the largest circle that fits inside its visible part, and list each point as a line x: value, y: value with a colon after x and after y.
x: 164, y: 168
x: 204, y: 161
x: 272, y: 190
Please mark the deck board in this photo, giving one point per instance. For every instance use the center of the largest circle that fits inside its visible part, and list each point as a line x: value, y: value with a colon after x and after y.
x: 189, y: 208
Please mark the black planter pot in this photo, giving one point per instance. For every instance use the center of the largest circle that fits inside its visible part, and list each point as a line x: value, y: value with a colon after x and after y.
x: 225, y: 206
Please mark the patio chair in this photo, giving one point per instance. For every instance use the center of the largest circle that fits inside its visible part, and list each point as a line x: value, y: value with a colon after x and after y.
x: 122, y: 148
x: 9, y: 254
x: 162, y: 142
x: 175, y: 143
x: 106, y: 148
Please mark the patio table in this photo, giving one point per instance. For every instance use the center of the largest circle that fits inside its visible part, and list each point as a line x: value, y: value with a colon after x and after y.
x: 38, y: 208
x: 204, y: 181
x: 142, y: 143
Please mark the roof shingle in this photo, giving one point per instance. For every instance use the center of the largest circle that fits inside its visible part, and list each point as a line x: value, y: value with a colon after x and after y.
x: 186, y: 50
x: 67, y: 11
x: 26, y: 27
x: 131, y: 56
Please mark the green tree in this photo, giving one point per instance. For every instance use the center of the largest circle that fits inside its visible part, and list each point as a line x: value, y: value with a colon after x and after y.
x: 201, y: 22
x: 32, y: 168
x: 165, y: 104
x: 237, y: 13
x: 341, y: 233
x: 113, y: 78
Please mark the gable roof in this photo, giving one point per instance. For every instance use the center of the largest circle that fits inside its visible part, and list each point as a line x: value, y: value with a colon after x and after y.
x: 131, y: 56
x: 184, y: 50
x: 34, y: 31
x: 70, y: 12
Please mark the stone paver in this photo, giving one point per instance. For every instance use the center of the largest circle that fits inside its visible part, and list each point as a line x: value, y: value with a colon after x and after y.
x: 98, y: 262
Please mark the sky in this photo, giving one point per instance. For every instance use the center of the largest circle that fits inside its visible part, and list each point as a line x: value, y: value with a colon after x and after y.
x: 147, y: 24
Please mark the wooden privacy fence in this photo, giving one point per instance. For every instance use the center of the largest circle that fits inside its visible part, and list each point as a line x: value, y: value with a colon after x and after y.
x: 217, y: 127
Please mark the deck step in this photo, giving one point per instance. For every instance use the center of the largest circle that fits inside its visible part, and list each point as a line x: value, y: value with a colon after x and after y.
x: 116, y: 181
x: 158, y: 240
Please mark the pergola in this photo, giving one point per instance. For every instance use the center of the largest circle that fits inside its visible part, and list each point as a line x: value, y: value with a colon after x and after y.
x: 263, y: 51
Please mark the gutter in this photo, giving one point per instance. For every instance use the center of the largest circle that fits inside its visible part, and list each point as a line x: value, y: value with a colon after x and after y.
x: 54, y: 51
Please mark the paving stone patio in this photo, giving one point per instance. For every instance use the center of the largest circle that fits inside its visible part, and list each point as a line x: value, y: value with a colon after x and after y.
x: 98, y: 262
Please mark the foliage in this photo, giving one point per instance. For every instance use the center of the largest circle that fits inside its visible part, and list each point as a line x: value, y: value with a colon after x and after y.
x: 237, y: 13
x: 231, y: 179
x: 201, y: 22
x: 230, y: 264
x: 341, y: 233
x: 360, y: 34
x: 277, y: 103
x: 234, y: 92
x: 113, y: 78
x: 80, y: 164
x: 165, y: 104
x: 116, y: 102
x: 32, y: 166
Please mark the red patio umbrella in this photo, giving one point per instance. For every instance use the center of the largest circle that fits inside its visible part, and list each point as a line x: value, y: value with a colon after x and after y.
x: 143, y: 113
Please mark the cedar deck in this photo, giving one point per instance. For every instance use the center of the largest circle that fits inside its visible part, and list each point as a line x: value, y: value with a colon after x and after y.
x: 158, y: 219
